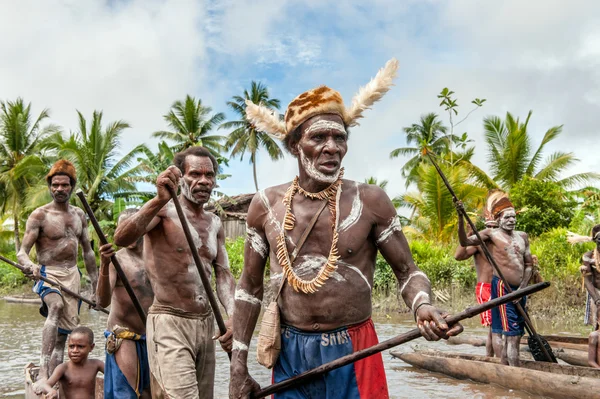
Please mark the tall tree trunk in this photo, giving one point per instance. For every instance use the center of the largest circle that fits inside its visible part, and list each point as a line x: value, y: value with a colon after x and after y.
x: 254, y: 171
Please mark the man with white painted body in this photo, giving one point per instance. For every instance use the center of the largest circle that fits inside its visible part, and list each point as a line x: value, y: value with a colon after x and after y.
x: 180, y: 325
x: 325, y: 304
x: 510, y: 250
x: 591, y: 275
x: 483, y: 290
x: 57, y: 230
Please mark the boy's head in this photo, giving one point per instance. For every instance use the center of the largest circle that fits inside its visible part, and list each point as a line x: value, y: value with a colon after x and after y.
x: 81, y: 343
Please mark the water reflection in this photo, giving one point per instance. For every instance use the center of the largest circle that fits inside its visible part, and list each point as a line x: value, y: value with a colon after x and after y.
x: 20, y: 337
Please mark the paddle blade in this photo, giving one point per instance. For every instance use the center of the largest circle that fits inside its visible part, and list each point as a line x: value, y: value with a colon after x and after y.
x: 536, y: 350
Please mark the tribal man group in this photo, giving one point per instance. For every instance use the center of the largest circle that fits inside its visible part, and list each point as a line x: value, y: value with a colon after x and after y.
x: 322, y: 261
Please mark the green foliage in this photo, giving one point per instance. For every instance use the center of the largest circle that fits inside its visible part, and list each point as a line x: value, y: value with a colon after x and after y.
x: 557, y: 258
x: 235, y: 251
x: 543, y: 205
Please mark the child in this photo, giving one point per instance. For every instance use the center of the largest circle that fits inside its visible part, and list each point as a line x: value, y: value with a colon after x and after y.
x: 78, y: 376
x: 594, y: 349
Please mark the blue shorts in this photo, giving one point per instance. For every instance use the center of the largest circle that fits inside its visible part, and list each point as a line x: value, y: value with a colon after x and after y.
x: 302, y: 351
x: 506, y: 320
x: 116, y: 385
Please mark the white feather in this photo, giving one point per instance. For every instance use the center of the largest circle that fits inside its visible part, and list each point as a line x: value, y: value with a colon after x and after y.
x: 265, y: 120
x: 372, y: 92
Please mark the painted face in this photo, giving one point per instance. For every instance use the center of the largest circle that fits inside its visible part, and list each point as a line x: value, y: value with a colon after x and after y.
x: 198, y: 180
x: 60, y: 188
x: 322, y: 147
x: 508, y: 219
x: 79, y: 347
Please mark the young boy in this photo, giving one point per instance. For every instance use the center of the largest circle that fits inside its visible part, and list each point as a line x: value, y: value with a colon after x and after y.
x: 594, y: 349
x: 78, y: 376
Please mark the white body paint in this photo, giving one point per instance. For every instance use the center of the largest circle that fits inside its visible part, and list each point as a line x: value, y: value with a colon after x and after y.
x: 515, y: 245
x: 587, y: 259
x: 308, y: 266
x: 256, y: 242
x: 355, y: 211
x: 313, y: 172
x: 187, y: 192
x: 410, y: 277
x: 391, y: 229
x: 355, y: 269
x: 326, y: 125
x: 421, y: 297
x: 243, y: 295
x: 239, y: 346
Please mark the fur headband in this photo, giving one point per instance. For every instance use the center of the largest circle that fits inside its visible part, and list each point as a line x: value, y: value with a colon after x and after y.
x: 322, y: 100
x: 62, y: 166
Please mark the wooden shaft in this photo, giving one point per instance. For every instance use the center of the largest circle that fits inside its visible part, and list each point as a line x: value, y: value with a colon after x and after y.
x: 56, y: 284
x: 390, y: 343
x: 528, y: 324
x: 136, y: 303
x: 200, y: 265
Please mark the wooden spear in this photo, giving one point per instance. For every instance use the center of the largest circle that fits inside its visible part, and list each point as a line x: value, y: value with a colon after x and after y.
x: 390, y: 343
x: 113, y: 259
x: 56, y: 284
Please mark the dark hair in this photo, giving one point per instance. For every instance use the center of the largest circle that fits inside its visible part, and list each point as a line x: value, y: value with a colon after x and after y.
x: 595, y: 230
x: 71, y: 180
x: 85, y: 331
x: 295, y: 135
x: 197, y: 151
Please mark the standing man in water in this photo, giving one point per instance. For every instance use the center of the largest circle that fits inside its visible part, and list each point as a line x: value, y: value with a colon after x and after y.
x: 511, y: 252
x: 591, y: 276
x: 57, y: 230
x: 180, y: 324
x: 325, y: 303
x: 127, y: 373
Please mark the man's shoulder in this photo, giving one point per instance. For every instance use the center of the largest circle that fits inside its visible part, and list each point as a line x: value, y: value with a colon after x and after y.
x: 271, y: 195
x: 366, y: 190
x: 76, y: 210
x: 588, y: 257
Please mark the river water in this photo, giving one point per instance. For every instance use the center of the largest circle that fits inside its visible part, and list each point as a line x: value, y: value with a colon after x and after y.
x: 20, y: 334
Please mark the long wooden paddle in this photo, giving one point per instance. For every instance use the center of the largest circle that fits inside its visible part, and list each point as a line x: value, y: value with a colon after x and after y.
x: 398, y: 340
x: 200, y: 265
x: 56, y: 284
x: 136, y: 303
x: 542, y: 345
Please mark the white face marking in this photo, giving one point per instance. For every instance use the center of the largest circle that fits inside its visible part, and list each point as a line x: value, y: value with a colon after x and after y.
x: 256, y: 242
x: 508, y: 219
x: 239, y: 346
x: 355, y: 211
x: 243, y: 295
x: 391, y: 229
x: 187, y: 191
x: 326, y: 125
x: 413, y: 274
x: 422, y: 296
x: 312, y: 171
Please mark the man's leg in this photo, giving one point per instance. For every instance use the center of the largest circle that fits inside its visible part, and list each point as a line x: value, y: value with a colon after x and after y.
x: 513, y: 345
x: 58, y: 353
x: 500, y: 347
x: 489, y: 346
x: 49, y: 335
x: 205, y: 358
x: 127, y: 360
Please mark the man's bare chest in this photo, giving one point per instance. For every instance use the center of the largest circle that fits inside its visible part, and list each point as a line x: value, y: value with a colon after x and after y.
x: 509, y: 245
x: 204, y: 235
x: 58, y: 227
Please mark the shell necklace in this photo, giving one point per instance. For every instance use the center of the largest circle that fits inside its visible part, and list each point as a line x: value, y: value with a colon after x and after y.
x: 332, y: 195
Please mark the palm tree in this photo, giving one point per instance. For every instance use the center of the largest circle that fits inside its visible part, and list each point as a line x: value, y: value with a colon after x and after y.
x: 154, y: 164
x: 429, y: 135
x: 94, y: 151
x: 511, y: 157
x: 245, y: 138
x: 22, y: 164
x: 191, y: 124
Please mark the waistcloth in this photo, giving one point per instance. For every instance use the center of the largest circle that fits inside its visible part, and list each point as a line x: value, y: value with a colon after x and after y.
x: 116, y: 385
x: 483, y: 293
x: 505, y: 318
x: 302, y: 351
x: 70, y: 277
x: 181, y: 353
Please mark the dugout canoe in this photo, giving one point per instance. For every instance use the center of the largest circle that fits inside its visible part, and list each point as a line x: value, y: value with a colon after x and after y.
x: 539, y: 378
x: 31, y: 372
x: 16, y: 299
x: 572, y: 356
x: 555, y: 341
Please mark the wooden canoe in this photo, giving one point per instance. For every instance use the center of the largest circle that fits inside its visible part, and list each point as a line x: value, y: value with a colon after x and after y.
x: 539, y: 378
x: 555, y: 341
x: 572, y: 356
x: 31, y: 372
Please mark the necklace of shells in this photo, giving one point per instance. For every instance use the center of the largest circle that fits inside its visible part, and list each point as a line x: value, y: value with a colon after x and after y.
x: 332, y: 195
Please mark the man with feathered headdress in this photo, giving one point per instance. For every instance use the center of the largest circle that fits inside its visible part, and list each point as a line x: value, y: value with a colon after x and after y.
x: 510, y: 250
x: 57, y: 230
x: 322, y: 261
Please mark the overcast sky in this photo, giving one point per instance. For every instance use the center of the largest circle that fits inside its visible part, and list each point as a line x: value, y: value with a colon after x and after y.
x: 132, y: 59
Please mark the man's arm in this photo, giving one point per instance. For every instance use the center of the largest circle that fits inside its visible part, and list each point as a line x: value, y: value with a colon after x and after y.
x: 415, y: 286
x: 464, y: 253
x: 588, y: 276
x: 145, y: 219
x: 107, y: 278
x: 248, y: 299
x: 225, y: 287
x: 32, y: 232
x: 528, y: 263
x: 89, y: 259
x: 462, y: 234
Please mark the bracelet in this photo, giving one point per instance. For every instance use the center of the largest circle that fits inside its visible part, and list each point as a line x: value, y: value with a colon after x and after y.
x: 417, y: 308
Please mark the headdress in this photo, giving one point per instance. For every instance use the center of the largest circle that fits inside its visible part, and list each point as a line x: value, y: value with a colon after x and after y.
x: 322, y: 100
x: 62, y: 166
x: 496, y: 202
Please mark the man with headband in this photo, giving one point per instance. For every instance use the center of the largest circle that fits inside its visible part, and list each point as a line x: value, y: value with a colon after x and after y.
x: 511, y: 252
x: 57, y: 230
x: 180, y: 325
x: 325, y: 300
